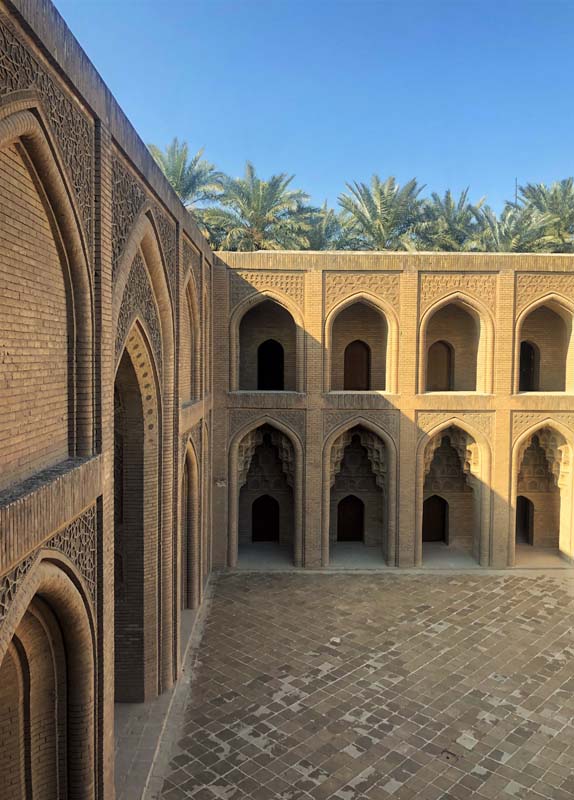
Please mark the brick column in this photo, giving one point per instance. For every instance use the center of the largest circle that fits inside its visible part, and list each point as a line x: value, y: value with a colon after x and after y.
x: 312, y: 518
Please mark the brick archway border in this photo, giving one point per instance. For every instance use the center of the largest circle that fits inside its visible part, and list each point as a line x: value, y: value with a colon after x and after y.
x: 392, y: 486
x: 233, y: 510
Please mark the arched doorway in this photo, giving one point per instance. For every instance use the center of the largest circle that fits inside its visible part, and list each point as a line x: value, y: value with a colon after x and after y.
x: 270, y: 366
x: 136, y: 503
x: 524, y: 520
x: 435, y: 519
x: 350, y: 519
x: 529, y: 379
x: 265, y: 519
x: 357, y: 367
x: 440, y: 367
x: 267, y: 332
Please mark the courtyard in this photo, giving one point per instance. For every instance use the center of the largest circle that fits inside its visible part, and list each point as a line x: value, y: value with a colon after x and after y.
x: 372, y: 686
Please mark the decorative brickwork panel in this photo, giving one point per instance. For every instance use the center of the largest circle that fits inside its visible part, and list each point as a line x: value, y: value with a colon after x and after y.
x: 128, y: 199
x: 338, y: 286
x: 482, y: 286
x: 522, y: 420
x: 138, y: 299
x: 295, y: 420
x: 77, y: 541
x: 244, y: 284
x: 192, y: 262
x: 74, y: 132
x: 481, y: 420
x: 387, y: 420
x: 168, y: 238
x: 530, y: 286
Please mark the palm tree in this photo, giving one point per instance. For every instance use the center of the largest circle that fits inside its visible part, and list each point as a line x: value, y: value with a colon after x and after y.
x: 446, y: 223
x: 519, y: 229
x: 556, y: 200
x: 380, y: 217
x: 195, y: 180
x: 325, y: 229
x: 254, y: 214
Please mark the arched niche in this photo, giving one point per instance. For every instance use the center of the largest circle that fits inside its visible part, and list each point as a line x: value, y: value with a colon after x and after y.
x: 542, y: 476
x: 454, y: 463
x: 43, y: 259
x: 137, y: 504
x: 262, y: 318
x: 191, y: 550
x: 270, y: 366
x: 360, y: 454
x: 466, y: 327
x: 545, y: 329
x: 369, y: 320
x: 190, y: 361
x: 47, y: 679
x: 288, y: 451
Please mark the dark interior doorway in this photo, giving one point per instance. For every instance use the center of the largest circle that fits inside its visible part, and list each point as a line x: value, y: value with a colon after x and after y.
x: 265, y: 519
x: 350, y: 519
x: 440, y: 368
x: 529, y: 366
x: 270, y: 366
x: 435, y: 519
x: 357, y: 367
x: 524, y: 520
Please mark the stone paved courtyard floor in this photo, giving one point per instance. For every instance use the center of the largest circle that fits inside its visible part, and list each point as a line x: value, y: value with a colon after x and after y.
x: 372, y: 686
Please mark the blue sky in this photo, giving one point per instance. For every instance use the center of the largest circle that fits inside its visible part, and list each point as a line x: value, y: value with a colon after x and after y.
x: 455, y: 93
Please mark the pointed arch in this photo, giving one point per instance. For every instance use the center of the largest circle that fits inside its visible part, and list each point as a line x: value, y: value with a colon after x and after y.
x: 54, y: 580
x: 241, y: 310
x: 392, y: 485
x: 191, y: 578
x: 482, y: 473
x: 382, y: 307
x: 564, y: 308
x: 24, y: 125
x: 191, y: 362
x: 144, y: 238
x: 485, y: 351
x: 565, y: 483
x: 233, y: 500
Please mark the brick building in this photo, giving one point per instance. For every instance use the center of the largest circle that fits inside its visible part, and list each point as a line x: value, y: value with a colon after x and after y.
x: 166, y: 411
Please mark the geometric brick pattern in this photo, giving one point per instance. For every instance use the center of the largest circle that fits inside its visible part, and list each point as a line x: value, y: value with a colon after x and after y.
x: 416, y: 686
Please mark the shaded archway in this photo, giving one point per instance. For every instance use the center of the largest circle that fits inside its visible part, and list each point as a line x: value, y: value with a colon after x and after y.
x: 357, y: 347
x: 461, y: 324
x: 542, y: 493
x: 545, y: 340
x: 359, y: 499
x: 278, y: 447
x: 270, y: 366
x: 357, y: 367
x: 453, y: 462
x: 136, y: 503
x: 191, y: 550
x: 190, y: 370
x: 47, y: 688
x: 265, y: 519
x: 435, y: 519
x: 267, y: 321
x: 440, y: 367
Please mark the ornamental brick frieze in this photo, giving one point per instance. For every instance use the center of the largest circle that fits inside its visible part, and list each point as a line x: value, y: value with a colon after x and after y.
x: 138, y: 300
x: 387, y: 420
x: 481, y: 420
x: 128, y: 199
x: 168, y: 239
x: 73, y: 130
x: 530, y: 286
x: 77, y: 541
x: 522, y: 420
x: 339, y: 286
x: 295, y: 420
x: 480, y: 285
x: 243, y: 284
